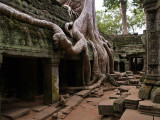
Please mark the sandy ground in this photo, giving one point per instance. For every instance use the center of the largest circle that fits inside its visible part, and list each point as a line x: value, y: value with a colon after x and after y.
x: 88, y: 109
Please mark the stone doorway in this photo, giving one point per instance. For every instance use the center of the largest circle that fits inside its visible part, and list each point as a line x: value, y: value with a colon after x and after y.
x: 21, y: 81
x: 70, y: 72
x: 137, y: 64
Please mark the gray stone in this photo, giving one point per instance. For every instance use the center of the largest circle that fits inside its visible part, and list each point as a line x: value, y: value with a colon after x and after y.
x: 122, y: 79
x: 144, y: 92
x: 130, y: 114
x: 106, y: 107
x: 118, y: 105
x: 16, y: 113
x: 123, y: 82
x: 129, y: 72
x: 155, y: 95
x: 74, y: 101
x: 150, y: 108
x: 83, y: 93
x: 134, y: 82
x: 45, y: 113
x: 66, y: 110
x: 39, y: 108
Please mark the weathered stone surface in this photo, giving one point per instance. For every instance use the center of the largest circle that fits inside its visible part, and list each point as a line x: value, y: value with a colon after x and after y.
x: 74, y: 101
x: 129, y: 72
x: 150, y: 108
x: 83, y: 93
x: 144, y: 92
x: 132, y: 101
x: 122, y: 79
x: 118, y: 104
x: 134, y: 82
x: 66, y: 110
x: 39, y: 108
x: 16, y: 113
x: 124, y: 88
x: 155, y: 95
x: 123, y: 82
x: 130, y: 114
x: 45, y: 113
x: 106, y: 107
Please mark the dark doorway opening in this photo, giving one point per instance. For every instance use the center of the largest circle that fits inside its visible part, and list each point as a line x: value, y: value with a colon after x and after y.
x: 70, y: 72
x: 21, y: 79
x: 122, y: 66
x: 137, y: 64
x: 115, y: 66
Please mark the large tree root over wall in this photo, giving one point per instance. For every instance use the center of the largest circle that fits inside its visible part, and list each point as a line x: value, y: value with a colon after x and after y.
x: 84, y: 30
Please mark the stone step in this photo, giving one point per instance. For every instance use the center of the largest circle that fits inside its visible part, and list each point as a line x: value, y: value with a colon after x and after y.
x: 134, y: 82
x: 129, y: 72
x: 74, y: 101
x: 123, y: 82
x: 83, y: 93
x: 122, y: 79
x: 106, y: 107
x: 148, y: 107
x: 16, y: 113
x: 39, y: 108
x: 130, y: 114
x: 45, y: 113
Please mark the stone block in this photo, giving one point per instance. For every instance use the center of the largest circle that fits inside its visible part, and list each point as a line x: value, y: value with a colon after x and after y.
x: 155, y: 95
x: 106, y: 107
x: 118, y: 104
x: 130, y: 114
x: 83, y: 93
x: 74, y: 101
x: 123, y: 82
x: 16, y: 113
x: 144, y: 92
x: 39, y: 108
x: 45, y: 113
x: 149, y: 108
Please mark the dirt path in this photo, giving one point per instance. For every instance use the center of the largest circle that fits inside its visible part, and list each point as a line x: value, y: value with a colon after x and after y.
x: 88, y: 109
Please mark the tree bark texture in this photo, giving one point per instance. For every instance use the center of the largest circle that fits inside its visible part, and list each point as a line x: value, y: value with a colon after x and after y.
x: 124, y: 17
x: 84, y: 30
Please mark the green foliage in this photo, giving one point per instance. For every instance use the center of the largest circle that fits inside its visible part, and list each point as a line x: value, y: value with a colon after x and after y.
x: 110, y: 20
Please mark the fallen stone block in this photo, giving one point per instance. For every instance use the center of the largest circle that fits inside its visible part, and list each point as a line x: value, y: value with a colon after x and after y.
x: 148, y: 107
x: 118, y: 104
x: 122, y: 79
x: 114, y: 96
x: 45, y: 113
x: 134, y: 82
x: 39, y: 108
x: 144, y: 92
x: 106, y: 107
x: 16, y: 113
x: 83, y: 93
x: 130, y: 114
x: 74, y: 101
x: 123, y: 82
x: 155, y: 95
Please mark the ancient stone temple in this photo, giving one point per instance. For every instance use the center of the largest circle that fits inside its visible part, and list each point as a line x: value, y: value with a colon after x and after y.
x: 129, y: 51
x: 29, y: 58
x: 42, y: 50
x: 150, y: 89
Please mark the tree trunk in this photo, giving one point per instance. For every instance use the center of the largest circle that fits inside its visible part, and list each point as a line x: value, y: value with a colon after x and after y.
x: 124, y: 17
x: 84, y: 30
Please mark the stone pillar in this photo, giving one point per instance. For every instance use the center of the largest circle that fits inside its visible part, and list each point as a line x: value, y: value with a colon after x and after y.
x: 1, y: 60
x: 127, y: 66
x: 152, y: 10
x: 51, y: 80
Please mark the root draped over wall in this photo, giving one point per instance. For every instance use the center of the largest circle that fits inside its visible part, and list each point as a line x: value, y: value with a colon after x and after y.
x: 84, y: 30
